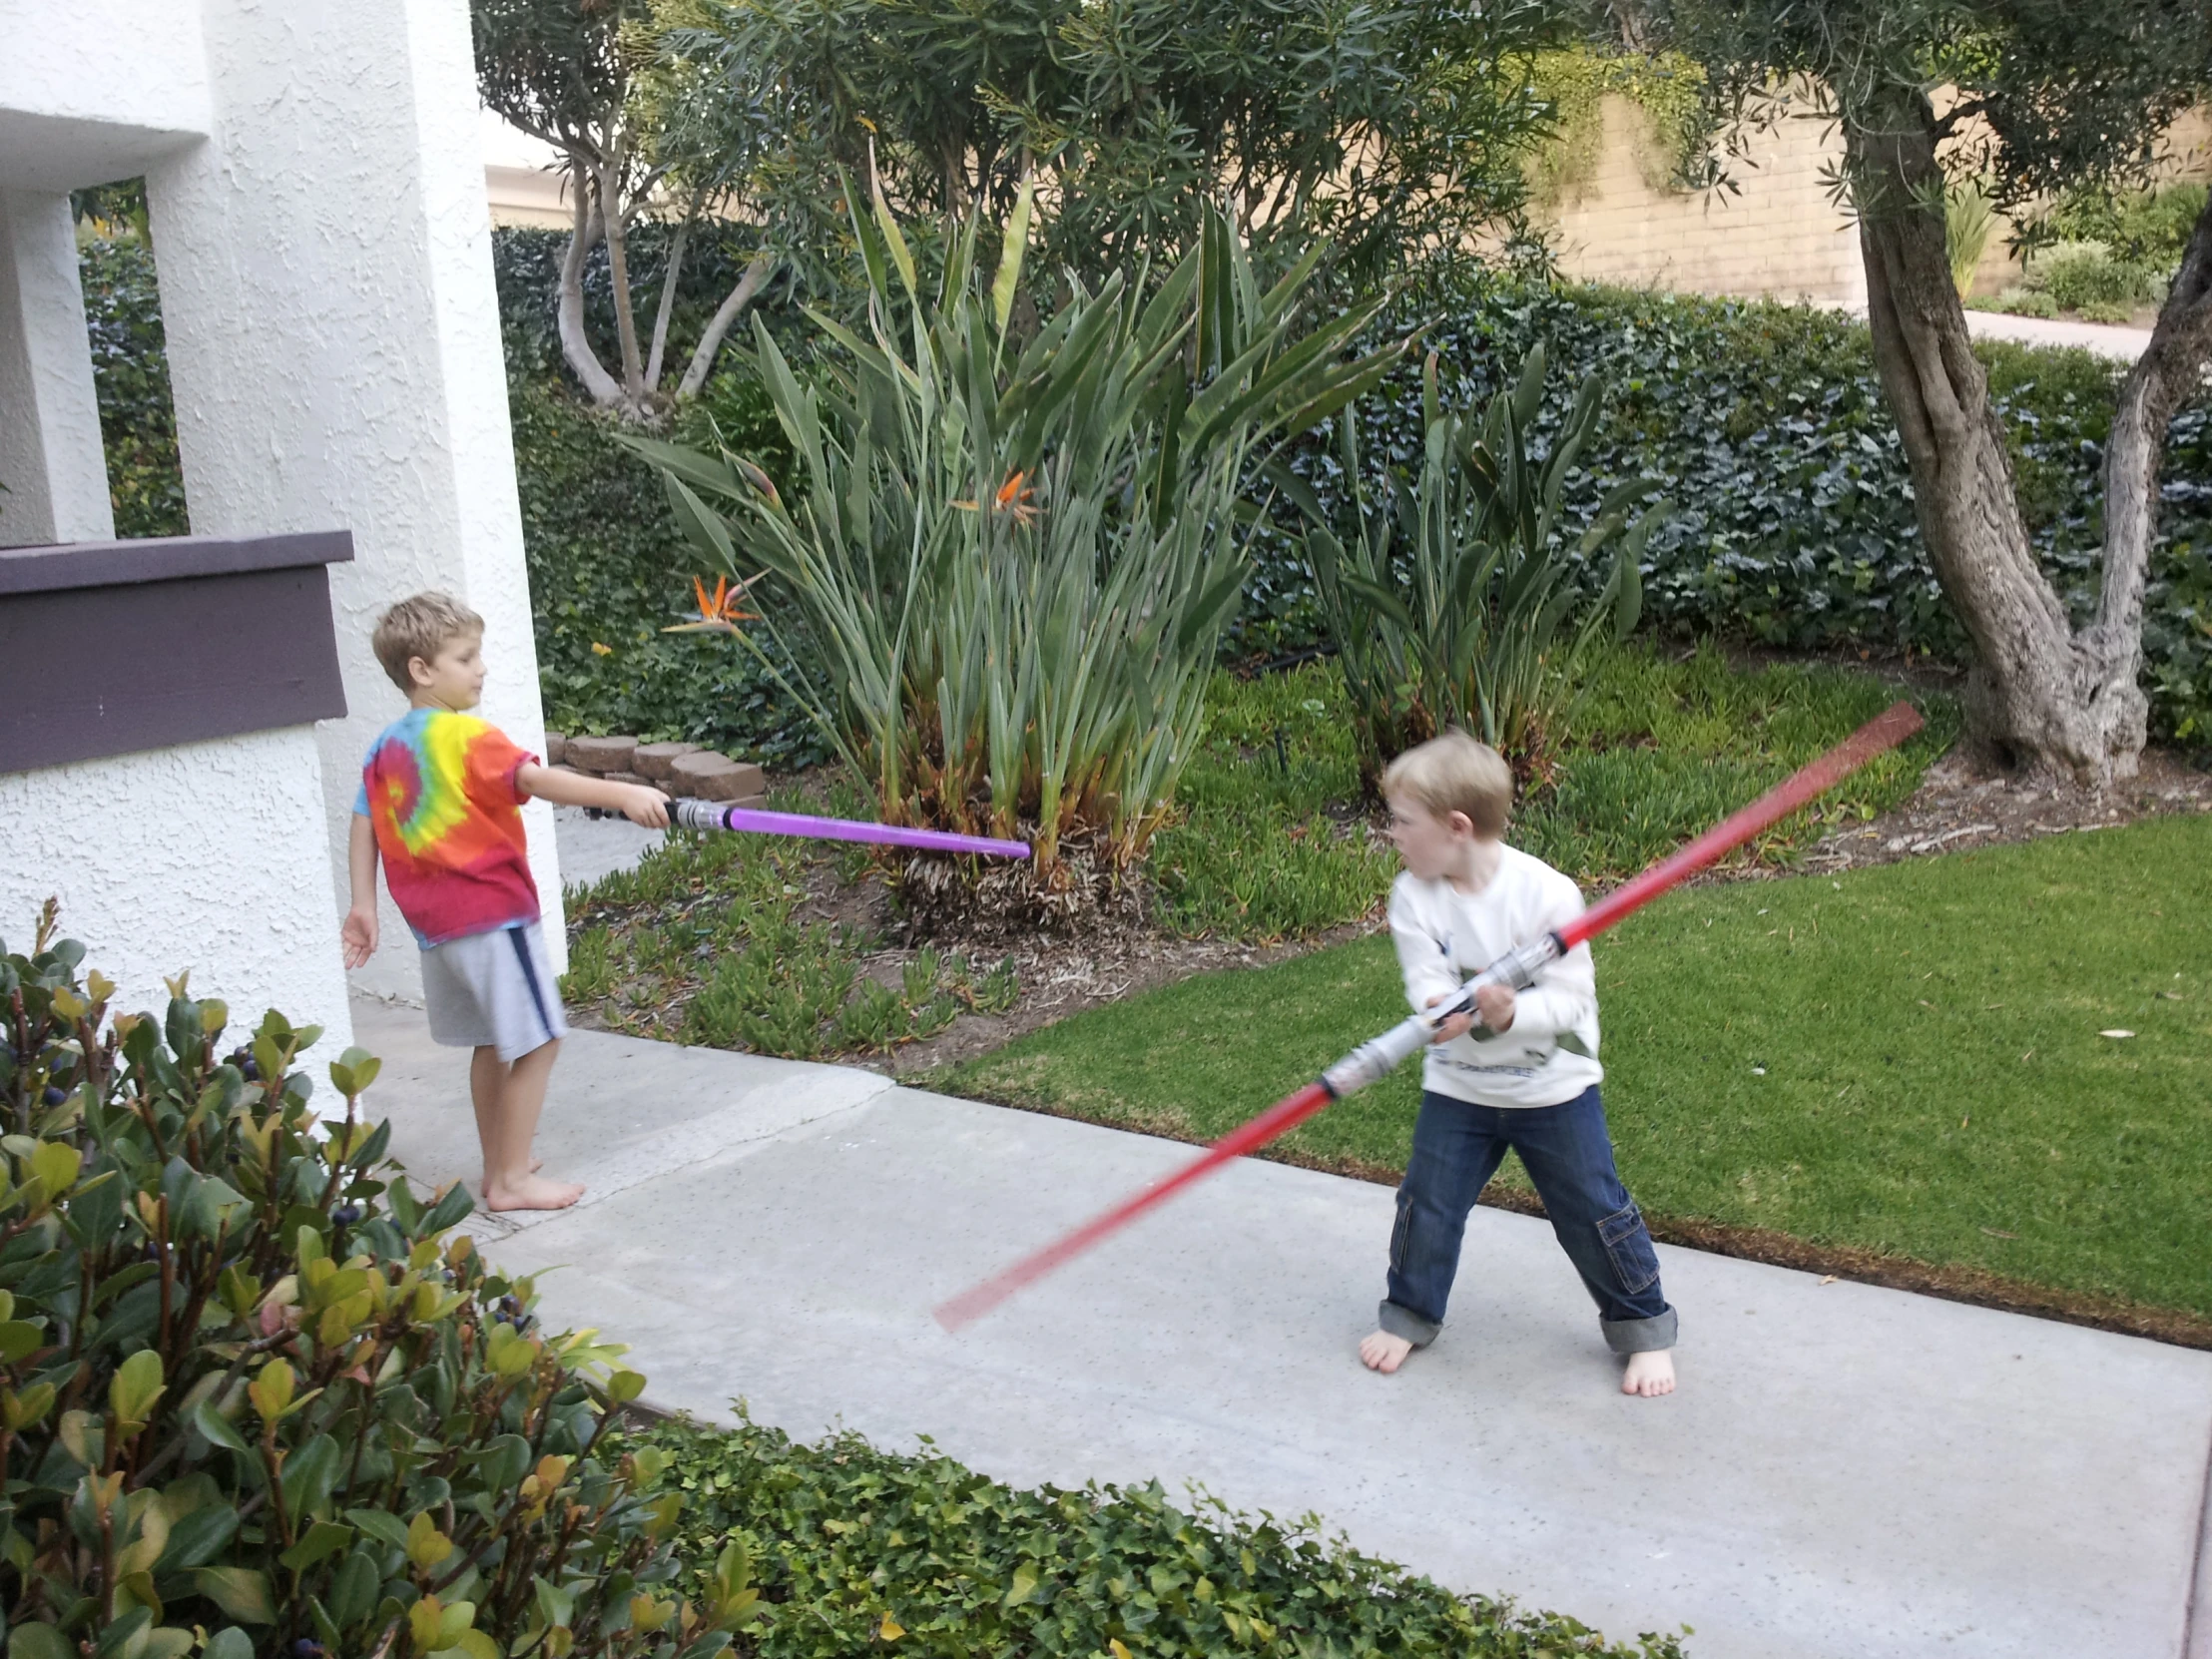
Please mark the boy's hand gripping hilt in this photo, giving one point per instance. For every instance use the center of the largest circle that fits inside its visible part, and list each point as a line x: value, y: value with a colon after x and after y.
x: 1377, y: 1059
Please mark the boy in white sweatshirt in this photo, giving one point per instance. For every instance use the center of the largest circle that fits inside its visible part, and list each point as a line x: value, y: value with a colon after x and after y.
x: 1526, y: 1077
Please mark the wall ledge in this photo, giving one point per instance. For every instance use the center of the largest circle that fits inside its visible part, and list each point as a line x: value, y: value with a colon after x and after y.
x: 114, y: 648
x: 102, y: 564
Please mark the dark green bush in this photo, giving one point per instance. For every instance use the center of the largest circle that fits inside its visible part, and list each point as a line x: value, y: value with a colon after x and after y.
x: 609, y: 572
x: 1793, y: 519
x: 246, y: 1383
x: 860, y: 1550
x: 129, y: 371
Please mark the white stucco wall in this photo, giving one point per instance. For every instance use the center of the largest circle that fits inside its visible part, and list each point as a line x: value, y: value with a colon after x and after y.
x: 94, y: 90
x: 51, y: 457
x: 185, y: 858
x: 334, y: 345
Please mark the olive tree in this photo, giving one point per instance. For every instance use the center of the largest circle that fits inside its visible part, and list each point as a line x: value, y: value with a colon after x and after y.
x: 636, y: 139
x: 2034, y: 96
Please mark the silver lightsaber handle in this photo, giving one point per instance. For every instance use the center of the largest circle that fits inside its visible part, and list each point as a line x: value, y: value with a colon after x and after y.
x: 1378, y: 1058
x: 695, y: 815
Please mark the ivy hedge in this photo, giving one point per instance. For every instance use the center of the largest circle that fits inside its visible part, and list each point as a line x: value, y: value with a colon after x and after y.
x: 1792, y: 521
x: 129, y: 371
x: 859, y: 1551
x: 1793, y: 527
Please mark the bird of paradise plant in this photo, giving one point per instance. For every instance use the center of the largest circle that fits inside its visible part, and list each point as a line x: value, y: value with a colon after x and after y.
x: 1036, y: 668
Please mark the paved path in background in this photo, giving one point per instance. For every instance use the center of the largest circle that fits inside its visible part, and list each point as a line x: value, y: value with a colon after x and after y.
x: 1849, y: 1471
x: 592, y: 847
x: 2105, y: 340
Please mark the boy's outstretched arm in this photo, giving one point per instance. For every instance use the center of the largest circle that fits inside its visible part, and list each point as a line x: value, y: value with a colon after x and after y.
x: 358, y: 935
x: 638, y: 803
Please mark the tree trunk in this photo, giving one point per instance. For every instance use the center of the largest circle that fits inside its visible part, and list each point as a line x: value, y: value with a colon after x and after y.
x: 2040, y: 698
x: 616, y: 228
x: 2170, y: 369
x: 600, y: 386
x: 668, y: 278
x: 702, y: 359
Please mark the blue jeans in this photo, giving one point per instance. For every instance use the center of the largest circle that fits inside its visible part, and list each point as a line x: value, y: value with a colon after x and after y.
x: 1457, y: 1146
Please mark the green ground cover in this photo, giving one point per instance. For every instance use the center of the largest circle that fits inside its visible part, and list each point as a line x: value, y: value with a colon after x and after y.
x: 706, y: 942
x: 860, y: 1550
x: 1905, y: 1059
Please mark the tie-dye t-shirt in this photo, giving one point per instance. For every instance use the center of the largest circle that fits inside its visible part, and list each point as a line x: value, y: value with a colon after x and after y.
x: 439, y: 790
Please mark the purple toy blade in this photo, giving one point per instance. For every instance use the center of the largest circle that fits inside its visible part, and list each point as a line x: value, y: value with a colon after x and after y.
x: 707, y: 815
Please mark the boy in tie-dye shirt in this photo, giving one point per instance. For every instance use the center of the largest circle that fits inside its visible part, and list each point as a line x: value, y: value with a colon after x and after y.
x: 440, y: 804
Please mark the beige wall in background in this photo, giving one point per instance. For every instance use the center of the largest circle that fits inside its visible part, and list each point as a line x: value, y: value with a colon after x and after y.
x: 1777, y: 235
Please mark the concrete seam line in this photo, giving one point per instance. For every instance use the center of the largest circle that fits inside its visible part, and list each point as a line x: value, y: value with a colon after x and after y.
x: 2197, y: 1615
x: 686, y: 1145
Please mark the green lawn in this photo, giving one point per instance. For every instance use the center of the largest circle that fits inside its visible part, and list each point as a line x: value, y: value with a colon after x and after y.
x: 1905, y: 1059
x: 1657, y: 745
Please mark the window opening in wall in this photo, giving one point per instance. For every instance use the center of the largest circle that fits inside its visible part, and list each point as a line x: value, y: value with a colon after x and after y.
x: 129, y: 359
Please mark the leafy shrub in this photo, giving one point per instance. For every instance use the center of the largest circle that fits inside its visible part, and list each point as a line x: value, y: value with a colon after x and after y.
x: 130, y: 373
x: 2149, y: 227
x: 1969, y: 219
x: 1016, y: 557
x: 859, y: 1548
x: 1448, y: 600
x: 2016, y: 303
x: 247, y: 1384
x: 2079, y: 274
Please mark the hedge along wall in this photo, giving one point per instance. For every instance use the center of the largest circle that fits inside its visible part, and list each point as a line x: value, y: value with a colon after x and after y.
x: 1793, y: 526
x: 1793, y: 520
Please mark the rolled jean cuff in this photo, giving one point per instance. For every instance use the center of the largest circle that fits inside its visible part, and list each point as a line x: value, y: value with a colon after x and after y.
x: 1631, y: 1335
x: 1404, y: 1322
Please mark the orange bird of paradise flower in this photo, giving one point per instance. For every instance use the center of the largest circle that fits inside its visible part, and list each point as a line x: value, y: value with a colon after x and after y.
x: 720, y: 611
x: 1014, y: 496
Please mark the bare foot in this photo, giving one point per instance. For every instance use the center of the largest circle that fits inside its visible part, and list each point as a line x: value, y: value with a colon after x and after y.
x: 1649, y: 1375
x: 532, y: 1193
x: 1380, y: 1350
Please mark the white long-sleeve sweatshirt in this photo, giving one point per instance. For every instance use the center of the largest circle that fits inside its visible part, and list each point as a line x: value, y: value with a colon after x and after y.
x: 1445, y: 938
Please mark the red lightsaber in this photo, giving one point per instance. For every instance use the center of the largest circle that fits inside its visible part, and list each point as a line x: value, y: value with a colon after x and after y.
x: 1518, y: 968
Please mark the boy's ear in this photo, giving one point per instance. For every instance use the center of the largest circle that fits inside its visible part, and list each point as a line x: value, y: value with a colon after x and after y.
x: 420, y: 671
x: 1460, y: 824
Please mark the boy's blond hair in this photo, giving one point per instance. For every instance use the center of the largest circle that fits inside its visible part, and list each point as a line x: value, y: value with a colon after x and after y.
x: 420, y: 626
x: 1454, y: 773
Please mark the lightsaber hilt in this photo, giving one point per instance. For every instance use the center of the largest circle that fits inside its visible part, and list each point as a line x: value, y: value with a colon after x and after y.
x: 1377, y: 1058
x: 713, y: 814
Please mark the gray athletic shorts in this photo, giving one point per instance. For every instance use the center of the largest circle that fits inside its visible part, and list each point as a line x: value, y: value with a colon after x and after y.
x: 493, y: 990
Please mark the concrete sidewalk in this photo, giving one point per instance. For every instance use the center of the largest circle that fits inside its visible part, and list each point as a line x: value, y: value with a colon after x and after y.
x: 1847, y: 1471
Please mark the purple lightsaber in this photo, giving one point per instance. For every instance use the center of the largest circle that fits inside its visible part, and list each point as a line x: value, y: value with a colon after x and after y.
x: 710, y: 815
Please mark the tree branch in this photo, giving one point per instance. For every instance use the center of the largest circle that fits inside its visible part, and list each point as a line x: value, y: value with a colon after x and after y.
x: 668, y: 293
x: 618, y: 269
x: 576, y: 347
x: 702, y: 359
x: 2163, y: 378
